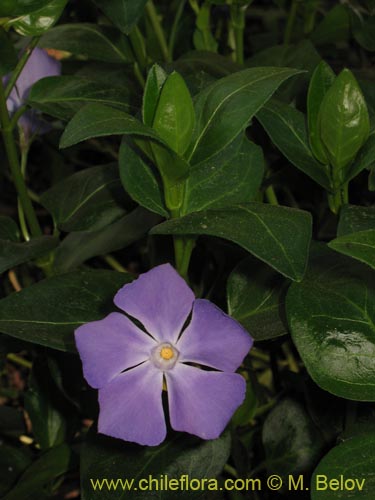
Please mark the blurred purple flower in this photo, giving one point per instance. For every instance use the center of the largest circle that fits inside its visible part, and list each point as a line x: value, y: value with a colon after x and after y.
x: 128, y: 366
x: 38, y: 66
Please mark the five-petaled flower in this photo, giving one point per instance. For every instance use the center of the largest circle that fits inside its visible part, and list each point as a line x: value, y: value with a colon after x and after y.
x: 38, y: 66
x: 128, y: 365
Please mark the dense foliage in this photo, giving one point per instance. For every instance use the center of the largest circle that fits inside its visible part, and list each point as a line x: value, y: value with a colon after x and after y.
x: 235, y: 140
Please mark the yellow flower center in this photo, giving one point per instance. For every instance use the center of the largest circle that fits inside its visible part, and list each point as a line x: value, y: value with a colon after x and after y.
x: 167, y: 353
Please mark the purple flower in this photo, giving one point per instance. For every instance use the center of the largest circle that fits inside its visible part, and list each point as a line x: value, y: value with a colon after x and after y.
x: 38, y: 66
x: 128, y: 365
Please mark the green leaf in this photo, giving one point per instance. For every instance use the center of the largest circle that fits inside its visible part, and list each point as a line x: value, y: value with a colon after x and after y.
x: 97, y: 120
x: 363, y: 28
x: 255, y: 296
x: 359, y: 245
x: 332, y: 322
x: 38, y: 22
x: 63, y: 96
x: 354, y: 459
x: 13, y: 461
x: 334, y: 28
x: 320, y: 83
x: 47, y: 312
x: 226, y: 107
x: 8, y: 54
x: 233, y: 176
x: 364, y: 159
x: 99, y: 43
x: 86, y: 201
x: 12, y: 254
x: 175, y: 116
x: 139, y: 181
x: 9, y: 229
x: 43, y: 406
x: 81, y: 246
x: 155, y: 81
x: 123, y: 13
x: 354, y: 219
x: 344, y: 120
x: 13, y: 8
x: 286, y: 127
x: 179, y: 455
x: 37, y: 478
x: 291, y: 441
x: 280, y: 236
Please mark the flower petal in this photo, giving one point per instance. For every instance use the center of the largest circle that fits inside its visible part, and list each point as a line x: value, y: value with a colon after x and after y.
x: 213, y: 338
x: 160, y: 299
x: 131, y: 406
x: 202, y: 402
x: 38, y: 66
x: 109, y: 346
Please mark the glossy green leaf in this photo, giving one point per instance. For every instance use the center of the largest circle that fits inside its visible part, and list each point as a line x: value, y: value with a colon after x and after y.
x: 139, y: 180
x: 255, y: 296
x: 353, y: 459
x: 286, y: 127
x: 123, y: 13
x: 38, y: 22
x: 99, y: 43
x: 97, y: 120
x: 8, y: 54
x: 155, y: 81
x: 359, y: 245
x: 88, y: 200
x: 233, y: 176
x: 334, y: 28
x: 179, y: 455
x: 344, y: 120
x: 13, y: 8
x: 63, y: 96
x: 354, y: 218
x: 81, y: 246
x: 38, y: 478
x: 279, y: 236
x: 332, y: 321
x: 321, y: 81
x: 47, y: 312
x: 291, y: 441
x: 175, y: 116
x: 246, y: 412
x: 43, y: 406
x: 226, y: 107
x: 13, y: 253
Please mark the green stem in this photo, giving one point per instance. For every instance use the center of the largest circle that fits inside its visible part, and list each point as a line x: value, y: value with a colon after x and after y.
x: 14, y: 358
x: 183, y: 247
x: 271, y: 196
x: 12, y: 154
x: 338, y: 198
x: 238, y: 24
x: 20, y: 65
x: 156, y: 25
x: 290, y: 23
x: 139, y: 47
x: 114, y: 263
x: 172, y: 37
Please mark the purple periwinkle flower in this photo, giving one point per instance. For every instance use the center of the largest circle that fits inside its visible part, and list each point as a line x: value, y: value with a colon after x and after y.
x: 128, y: 365
x: 38, y: 66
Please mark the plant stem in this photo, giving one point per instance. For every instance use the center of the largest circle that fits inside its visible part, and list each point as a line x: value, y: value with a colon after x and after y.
x: 238, y: 23
x: 290, y: 23
x: 338, y: 198
x: 12, y: 154
x: 14, y: 358
x: 183, y: 247
x: 114, y: 263
x: 155, y: 23
x: 271, y: 196
x: 20, y: 65
x: 172, y: 37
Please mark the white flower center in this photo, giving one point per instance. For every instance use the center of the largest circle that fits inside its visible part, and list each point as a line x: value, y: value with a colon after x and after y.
x: 164, y: 356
